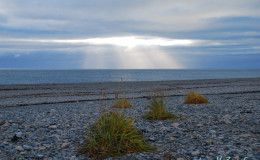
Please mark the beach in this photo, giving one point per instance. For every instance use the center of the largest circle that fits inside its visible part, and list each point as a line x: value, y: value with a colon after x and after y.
x: 50, y: 119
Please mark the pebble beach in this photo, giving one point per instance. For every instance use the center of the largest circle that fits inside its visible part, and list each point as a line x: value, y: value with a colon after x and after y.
x: 48, y: 121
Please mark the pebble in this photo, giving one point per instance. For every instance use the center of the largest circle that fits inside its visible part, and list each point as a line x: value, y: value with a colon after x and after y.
x: 226, y: 116
x: 39, y: 156
x: 5, y: 143
x: 27, y: 147
x: 19, y: 134
x: 65, y: 145
x: 19, y: 148
x: 53, y: 110
x: 195, y: 153
x: 55, y: 131
x: 200, y: 125
x: 6, y: 124
x: 227, y: 121
x: 245, y: 135
x: 175, y: 125
x: 53, y: 126
x: 42, y: 148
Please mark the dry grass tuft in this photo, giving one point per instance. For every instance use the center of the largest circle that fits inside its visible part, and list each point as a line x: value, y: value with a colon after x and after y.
x: 195, y: 98
x: 122, y: 103
x: 158, y: 107
x: 114, y: 135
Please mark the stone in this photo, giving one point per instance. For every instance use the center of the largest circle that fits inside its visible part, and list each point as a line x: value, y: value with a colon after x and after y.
x: 195, y: 153
x: 42, y: 148
x: 213, y: 131
x: 39, y: 156
x: 200, y: 125
x: 53, y: 127
x: 226, y: 116
x: 53, y: 110
x: 165, y: 129
x: 5, y: 143
x: 65, y: 145
x: 175, y: 125
x: 227, y: 121
x: 171, y: 139
x: 19, y: 148
x: 245, y: 135
x: 19, y: 134
x: 6, y: 124
x: 27, y: 147
x: 152, y: 139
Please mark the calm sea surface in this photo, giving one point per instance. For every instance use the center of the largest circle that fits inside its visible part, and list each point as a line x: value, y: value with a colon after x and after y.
x: 75, y: 76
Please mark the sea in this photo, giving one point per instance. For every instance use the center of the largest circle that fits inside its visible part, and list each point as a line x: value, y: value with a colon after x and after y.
x: 32, y: 76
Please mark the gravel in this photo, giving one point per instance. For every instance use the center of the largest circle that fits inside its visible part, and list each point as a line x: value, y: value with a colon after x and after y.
x: 48, y: 121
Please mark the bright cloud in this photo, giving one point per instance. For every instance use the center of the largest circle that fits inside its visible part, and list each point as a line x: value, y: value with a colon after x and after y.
x: 129, y: 42
x: 148, y: 33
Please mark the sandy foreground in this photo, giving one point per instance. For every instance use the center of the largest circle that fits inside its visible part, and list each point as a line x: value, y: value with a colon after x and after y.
x: 50, y: 119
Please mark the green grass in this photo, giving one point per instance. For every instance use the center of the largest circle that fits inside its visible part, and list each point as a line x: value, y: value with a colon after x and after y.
x: 158, y: 110
x: 195, y: 98
x: 114, y: 135
x: 122, y: 103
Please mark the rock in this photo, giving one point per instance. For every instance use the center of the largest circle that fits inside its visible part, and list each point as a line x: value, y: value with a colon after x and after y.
x: 213, y: 131
x: 22, y: 153
x: 6, y: 124
x: 195, y: 153
x: 27, y: 147
x: 226, y: 116
x: 200, y: 125
x: 65, y: 145
x: 42, y: 148
x: 165, y: 129
x: 180, y: 159
x: 39, y: 156
x: 152, y: 139
x: 53, y: 110
x: 172, y: 139
x: 227, y: 121
x: 94, y: 113
x: 175, y: 125
x: 19, y: 148
x: 5, y: 143
x: 53, y: 127
x: 244, y: 135
x: 19, y: 134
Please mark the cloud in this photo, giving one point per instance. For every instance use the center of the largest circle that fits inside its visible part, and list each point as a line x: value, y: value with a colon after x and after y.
x: 104, y: 33
x: 152, y: 15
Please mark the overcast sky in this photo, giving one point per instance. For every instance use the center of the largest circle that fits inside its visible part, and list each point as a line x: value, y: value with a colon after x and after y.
x: 136, y: 34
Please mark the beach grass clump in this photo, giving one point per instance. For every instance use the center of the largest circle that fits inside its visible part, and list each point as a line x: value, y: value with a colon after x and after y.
x: 195, y: 98
x: 122, y: 103
x: 157, y: 107
x: 158, y: 110
x: 114, y: 135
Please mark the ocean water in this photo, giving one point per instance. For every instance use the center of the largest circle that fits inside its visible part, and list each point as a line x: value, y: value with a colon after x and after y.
x: 8, y: 76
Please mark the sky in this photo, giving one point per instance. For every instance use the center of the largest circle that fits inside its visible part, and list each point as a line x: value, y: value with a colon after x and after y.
x: 136, y: 34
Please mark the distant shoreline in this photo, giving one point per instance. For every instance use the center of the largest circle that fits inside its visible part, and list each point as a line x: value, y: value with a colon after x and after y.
x: 35, y: 94
x: 95, y: 83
